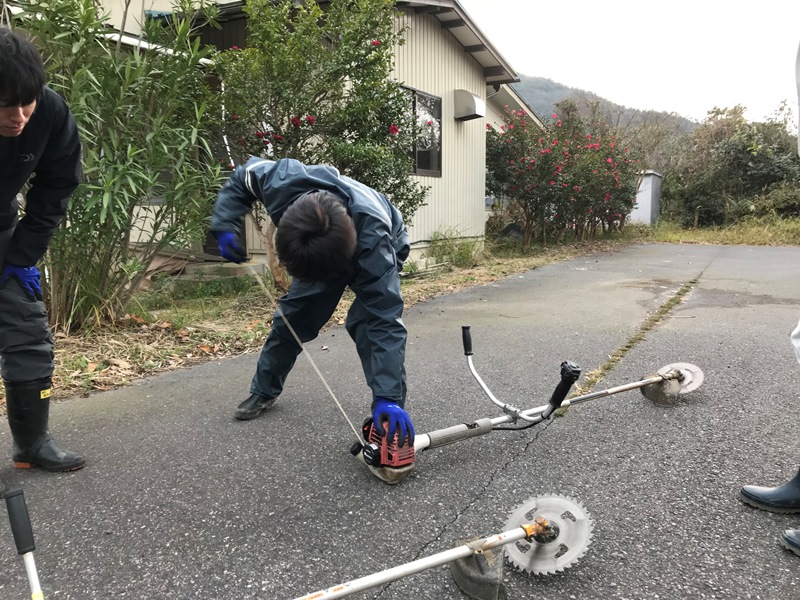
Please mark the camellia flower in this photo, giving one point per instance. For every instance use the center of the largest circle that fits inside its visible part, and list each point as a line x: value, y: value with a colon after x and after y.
x: 376, y: 42
x: 558, y: 123
x: 311, y: 119
x: 278, y: 137
x: 394, y: 129
x: 609, y: 160
x: 235, y: 48
x: 235, y: 117
x: 555, y: 116
x: 295, y: 122
x: 259, y: 134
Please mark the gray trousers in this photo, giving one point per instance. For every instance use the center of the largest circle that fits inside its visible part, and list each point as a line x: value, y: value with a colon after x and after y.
x: 26, y: 342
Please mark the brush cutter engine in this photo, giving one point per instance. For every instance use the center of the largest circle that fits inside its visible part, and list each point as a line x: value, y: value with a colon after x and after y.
x: 383, y: 455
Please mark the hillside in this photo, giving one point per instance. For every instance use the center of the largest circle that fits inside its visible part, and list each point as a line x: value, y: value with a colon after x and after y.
x: 542, y: 95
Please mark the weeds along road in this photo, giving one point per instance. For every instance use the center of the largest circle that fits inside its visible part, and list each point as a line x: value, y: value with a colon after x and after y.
x: 178, y: 500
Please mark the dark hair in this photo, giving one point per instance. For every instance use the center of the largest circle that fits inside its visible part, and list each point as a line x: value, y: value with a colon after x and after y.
x: 21, y: 70
x: 316, y: 237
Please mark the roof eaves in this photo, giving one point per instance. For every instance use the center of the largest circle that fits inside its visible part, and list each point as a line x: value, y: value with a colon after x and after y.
x: 500, y: 71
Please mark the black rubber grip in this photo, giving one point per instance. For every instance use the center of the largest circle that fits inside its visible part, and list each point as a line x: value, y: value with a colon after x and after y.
x: 467, y: 339
x: 570, y: 372
x: 20, y: 522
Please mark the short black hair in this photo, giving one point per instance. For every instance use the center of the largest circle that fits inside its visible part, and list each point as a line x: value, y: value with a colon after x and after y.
x: 316, y: 237
x: 22, y: 75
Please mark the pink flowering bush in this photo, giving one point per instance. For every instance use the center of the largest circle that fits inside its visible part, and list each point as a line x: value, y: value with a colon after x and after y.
x: 569, y: 178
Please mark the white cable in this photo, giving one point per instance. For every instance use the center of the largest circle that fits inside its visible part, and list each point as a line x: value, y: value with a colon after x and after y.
x: 304, y: 351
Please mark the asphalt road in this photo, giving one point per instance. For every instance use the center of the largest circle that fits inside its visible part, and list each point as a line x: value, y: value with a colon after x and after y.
x: 179, y: 500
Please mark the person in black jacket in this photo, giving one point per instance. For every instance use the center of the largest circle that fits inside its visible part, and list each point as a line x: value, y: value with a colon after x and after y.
x: 332, y: 233
x: 38, y: 143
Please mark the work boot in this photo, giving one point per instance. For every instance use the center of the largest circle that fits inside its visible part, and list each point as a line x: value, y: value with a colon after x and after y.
x: 781, y: 499
x: 253, y: 406
x: 791, y: 539
x: 28, y: 408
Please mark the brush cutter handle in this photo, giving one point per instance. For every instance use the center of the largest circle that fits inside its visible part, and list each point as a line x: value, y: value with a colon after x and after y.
x: 467, y: 339
x: 570, y: 372
x: 20, y: 522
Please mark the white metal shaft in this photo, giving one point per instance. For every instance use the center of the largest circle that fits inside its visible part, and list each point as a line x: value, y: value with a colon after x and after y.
x: 33, y: 577
x: 435, y: 560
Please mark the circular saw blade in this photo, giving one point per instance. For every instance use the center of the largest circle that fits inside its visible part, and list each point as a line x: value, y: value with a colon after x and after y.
x: 574, y: 534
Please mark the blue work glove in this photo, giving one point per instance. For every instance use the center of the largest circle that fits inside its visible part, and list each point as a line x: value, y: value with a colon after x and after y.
x: 27, y: 277
x: 387, y: 410
x: 229, y: 248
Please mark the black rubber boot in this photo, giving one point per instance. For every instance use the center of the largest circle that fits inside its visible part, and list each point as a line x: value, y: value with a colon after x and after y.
x: 28, y: 408
x: 782, y: 499
x: 253, y: 406
x: 791, y: 539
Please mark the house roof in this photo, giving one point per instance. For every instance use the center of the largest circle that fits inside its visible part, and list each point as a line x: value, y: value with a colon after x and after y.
x: 505, y: 95
x: 452, y: 17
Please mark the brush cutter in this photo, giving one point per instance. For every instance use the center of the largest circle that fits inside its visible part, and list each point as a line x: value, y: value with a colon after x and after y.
x: 662, y: 388
x: 546, y: 534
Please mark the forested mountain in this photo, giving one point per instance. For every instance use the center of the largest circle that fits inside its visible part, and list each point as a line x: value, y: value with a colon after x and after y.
x: 542, y: 95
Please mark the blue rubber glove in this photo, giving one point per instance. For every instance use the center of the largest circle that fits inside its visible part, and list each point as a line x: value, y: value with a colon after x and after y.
x: 387, y: 410
x: 229, y: 248
x: 27, y: 277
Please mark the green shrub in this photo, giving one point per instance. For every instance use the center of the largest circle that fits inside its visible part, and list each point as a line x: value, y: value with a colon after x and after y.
x: 450, y: 247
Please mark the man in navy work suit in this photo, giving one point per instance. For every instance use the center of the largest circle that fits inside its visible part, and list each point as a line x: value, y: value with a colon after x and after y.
x: 332, y: 233
x: 38, y: 138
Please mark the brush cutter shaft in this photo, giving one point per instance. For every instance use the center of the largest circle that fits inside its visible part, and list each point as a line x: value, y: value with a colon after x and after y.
x: 33, y: 577
x: 623, y: 388
x: 423, y: 564
x: 456, y: 433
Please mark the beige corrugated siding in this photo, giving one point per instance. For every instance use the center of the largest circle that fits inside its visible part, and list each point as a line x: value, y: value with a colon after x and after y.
x: 433, y: 62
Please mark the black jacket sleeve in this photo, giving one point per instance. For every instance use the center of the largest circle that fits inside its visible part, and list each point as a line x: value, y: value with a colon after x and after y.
x: 56, y: 177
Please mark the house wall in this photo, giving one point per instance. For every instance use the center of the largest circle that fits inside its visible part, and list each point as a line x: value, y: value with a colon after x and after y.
x: 135, y: 15
x: 433, y: 62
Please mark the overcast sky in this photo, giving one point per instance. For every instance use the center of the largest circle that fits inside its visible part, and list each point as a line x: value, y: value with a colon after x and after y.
x: 682, y: 56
